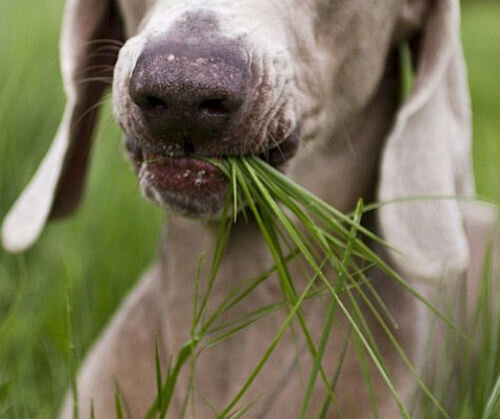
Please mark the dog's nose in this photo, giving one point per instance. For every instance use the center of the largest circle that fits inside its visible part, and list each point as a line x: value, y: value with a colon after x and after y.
x: 190, y: 91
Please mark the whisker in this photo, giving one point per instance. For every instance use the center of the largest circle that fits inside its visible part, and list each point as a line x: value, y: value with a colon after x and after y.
x: 92, y: 108
x: 111, y: 48
x: 100, y: 54
x: 98, y: 68
x: 104, y: 80
x: 111, y: 41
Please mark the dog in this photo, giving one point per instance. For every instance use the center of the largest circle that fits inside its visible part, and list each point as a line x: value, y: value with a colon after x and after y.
x: 312, y: 86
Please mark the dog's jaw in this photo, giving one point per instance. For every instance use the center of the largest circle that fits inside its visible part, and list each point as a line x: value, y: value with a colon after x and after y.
x: 168, y: 163
x: 190, y: 185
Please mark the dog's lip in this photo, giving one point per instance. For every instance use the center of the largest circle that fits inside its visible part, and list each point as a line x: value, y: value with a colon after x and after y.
x: 186, y: 185
x: 189, y: 184
x: 183, y: 174
x: 276, y: 155
x: 282, y: 152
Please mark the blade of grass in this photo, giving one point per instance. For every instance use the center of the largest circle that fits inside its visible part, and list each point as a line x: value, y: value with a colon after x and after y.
x: 223, y: 231
x: 259, y: 313
x: 72, y: 349
x: 306, y: 253
x: 493, y: 403
x: 171, y: 381
x: 268, y: 352
x: 372, y: 354
x: 159, y: 379
x: 118, y: 403
x: 329, y: 215
x: 273, y: 245
x: 239, y: 414
x: 401, y: 352
x: 207, y: 401
x: 10, y: 314
x: 332, y: 309
x: 309, y: 199
x: 326, y: 404
x: 234, y: 298
x: 234, y: 184
x: 367, y: 378
x: 196, y: 292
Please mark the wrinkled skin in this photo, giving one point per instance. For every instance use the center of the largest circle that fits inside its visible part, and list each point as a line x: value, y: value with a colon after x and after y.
x: 325, y: 73
x: 312, y: 68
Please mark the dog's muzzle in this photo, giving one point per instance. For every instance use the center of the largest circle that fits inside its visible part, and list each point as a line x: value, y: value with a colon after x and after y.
x: 189, y: 99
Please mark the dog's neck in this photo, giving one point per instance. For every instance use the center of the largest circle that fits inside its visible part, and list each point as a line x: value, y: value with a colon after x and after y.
x: 344, y: 170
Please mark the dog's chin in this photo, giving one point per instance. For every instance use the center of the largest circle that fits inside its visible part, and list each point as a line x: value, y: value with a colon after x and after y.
x: 184, y: 185
x: 189, y: 186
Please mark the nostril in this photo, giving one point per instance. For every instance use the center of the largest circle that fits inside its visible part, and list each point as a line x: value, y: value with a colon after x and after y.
x: 188, y: 148
x: 214, y: 107
x: 154, y: 103
x: 148, y: 102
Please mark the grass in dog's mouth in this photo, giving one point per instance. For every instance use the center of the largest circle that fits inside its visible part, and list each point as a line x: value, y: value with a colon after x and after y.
x: 296, y: 225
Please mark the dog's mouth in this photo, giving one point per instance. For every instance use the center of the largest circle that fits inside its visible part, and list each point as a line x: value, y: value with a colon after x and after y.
x: 187, y: 183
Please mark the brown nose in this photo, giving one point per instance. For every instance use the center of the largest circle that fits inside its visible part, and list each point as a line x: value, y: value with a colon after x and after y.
x: 190, y: 91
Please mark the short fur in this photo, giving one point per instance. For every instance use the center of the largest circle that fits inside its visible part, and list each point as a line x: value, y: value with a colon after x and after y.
x: 330, y: 69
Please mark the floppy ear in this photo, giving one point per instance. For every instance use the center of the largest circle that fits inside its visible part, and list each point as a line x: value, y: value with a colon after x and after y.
x: 428, y: 154
x: 91, y: 37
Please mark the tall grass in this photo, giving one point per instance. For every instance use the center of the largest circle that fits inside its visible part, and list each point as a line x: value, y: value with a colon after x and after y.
x: 34, y: 354
x: 468, y: 380
x: 321, y: 236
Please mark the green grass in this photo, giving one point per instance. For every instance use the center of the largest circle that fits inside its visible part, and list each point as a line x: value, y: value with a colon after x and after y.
x: 114, y: 223
x: 34, y: 330
x: 481, y: 37
x: 322, y: 236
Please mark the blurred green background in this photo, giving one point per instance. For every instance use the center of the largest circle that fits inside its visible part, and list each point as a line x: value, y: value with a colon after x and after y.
x: 99, y: 253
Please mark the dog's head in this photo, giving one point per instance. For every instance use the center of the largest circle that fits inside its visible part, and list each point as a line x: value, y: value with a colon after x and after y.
x: 210, y: 79
x: 213, y: 78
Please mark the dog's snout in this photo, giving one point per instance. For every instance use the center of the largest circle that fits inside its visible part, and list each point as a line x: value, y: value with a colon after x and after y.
x: 190, y: 91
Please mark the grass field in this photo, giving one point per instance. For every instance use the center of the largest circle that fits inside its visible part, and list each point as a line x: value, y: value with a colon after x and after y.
x: 76, y: 254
